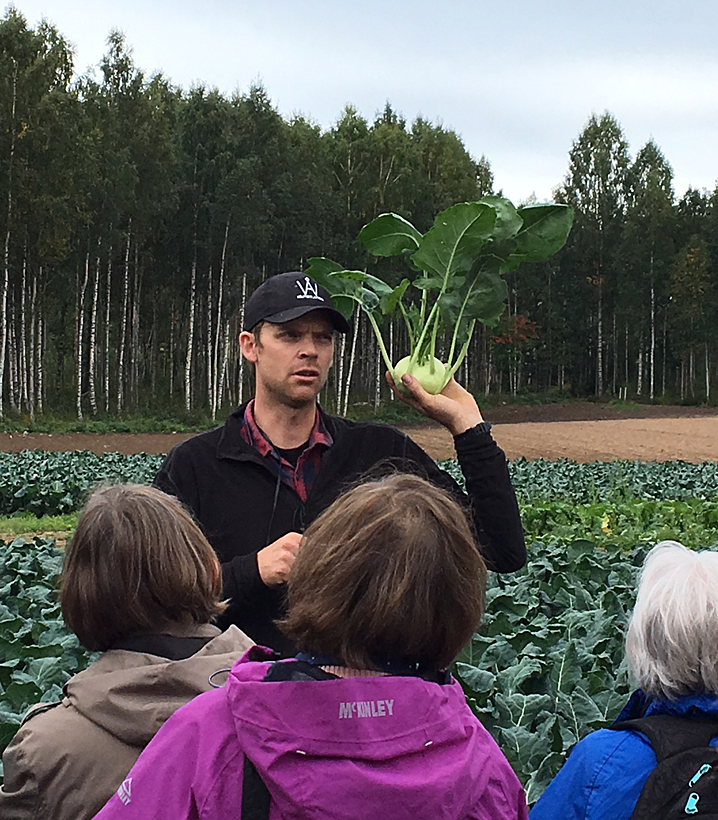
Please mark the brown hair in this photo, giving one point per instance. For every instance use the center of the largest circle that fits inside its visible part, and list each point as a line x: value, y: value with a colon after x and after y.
x: 136, y: 562
x: 389, y: 571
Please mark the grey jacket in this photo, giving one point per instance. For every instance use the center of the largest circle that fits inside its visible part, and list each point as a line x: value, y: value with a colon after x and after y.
x: 68, y: 759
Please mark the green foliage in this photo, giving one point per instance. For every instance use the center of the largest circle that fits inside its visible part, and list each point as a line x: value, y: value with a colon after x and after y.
x: 693, y: 522
x: 54, y: 483
x: 547, y: 667
x: 541, y: 480
x: 37, y: 653
x: 457, y: 267
x: 22, y: 523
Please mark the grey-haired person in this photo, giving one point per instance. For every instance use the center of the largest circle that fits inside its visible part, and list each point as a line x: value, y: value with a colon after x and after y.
x: 672, y: 652
x: 257, y: 482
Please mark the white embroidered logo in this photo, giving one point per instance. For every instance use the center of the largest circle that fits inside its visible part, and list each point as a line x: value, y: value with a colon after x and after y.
x: 308, y: 290
x: 366, y: 708
x: 125, y: 791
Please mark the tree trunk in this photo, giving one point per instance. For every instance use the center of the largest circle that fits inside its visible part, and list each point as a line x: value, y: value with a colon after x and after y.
x: 599, y: 337
x: 653, y: 336
x: 32, y: 351
x: 93, y: 335
x: 12, y: 356
x: 209, y: 342
x: 8, y: 228
x: 350, y: 369
x: 217, y: 397
x: 81, y: 333
x: 22, y: 358
x: 123, y: 324
x: 108, y: 295
x: 225, y: 365
x: 240, y: 385
x: 190, y: 335
x: 40, y: 365
x: 135, y: 330
x: 708, y: 375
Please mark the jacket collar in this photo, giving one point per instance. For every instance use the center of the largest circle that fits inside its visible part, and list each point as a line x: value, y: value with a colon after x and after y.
x: 232, y: 445
x: 642, y: 705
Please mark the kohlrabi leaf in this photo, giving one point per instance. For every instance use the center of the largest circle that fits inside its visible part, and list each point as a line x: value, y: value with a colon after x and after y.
x: 389, y: 235
x: 343, y: 289
x: 379, y: 286
x: 508, y: 222
x: 544, y: 231
x: 320, y: 267
x: 390, y: 301
x: 344, y: 286
x: 454, y: 242
x: 487, y: 298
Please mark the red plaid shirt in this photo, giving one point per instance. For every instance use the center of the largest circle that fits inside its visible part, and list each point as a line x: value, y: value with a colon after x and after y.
x: 299, y: 478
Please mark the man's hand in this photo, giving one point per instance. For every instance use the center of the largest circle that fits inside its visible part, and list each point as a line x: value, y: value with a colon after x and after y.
x: 275, y: 560
x: 455, y: 408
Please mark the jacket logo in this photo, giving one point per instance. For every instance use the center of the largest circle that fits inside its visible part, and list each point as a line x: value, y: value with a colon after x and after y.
x: 308, y: 290
x: 366, y: 708
x: 125, y: 791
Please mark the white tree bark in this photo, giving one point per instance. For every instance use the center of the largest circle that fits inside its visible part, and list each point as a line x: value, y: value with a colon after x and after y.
x: 22, y: 358
x: 32, y: 350
x: 81, y: 333
x: 190, y: 337
x: 240, y: 386
x: 108, y: 302
x: 123, y: 323
x: 8, y: 228
x: 216, y: 393
x: 352, y: 359
x: 92, y: 363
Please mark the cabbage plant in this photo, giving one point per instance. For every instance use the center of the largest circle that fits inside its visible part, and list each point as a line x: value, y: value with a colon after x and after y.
x: 455, y: 276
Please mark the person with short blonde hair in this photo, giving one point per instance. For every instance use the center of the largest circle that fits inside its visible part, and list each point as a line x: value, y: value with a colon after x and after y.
x: 672, y: 652
x: 366, y: 721
x: 141, y: 584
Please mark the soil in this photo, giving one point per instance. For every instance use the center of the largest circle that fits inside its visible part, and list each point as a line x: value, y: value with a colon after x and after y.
x: 581, y: 431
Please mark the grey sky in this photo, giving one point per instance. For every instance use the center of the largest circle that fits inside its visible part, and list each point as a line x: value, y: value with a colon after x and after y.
x: 517, y: 81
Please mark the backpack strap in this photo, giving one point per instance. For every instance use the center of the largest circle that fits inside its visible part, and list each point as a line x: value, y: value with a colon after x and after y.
x: 255, y: 795
x: 672, y: 734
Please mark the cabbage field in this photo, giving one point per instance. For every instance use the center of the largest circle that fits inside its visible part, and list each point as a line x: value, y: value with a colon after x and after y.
x: 546, y: 666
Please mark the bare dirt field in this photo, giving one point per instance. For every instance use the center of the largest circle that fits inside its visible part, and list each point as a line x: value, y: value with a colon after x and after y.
x: 581, y: 431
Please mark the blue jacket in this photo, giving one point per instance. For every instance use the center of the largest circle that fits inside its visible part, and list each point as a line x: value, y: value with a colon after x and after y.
x: 606, y: 771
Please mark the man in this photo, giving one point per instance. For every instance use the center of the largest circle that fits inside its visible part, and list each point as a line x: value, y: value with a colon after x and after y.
x: 257, y: 482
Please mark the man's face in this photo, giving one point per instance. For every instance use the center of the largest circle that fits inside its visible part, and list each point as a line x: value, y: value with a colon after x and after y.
x: 291, y: 359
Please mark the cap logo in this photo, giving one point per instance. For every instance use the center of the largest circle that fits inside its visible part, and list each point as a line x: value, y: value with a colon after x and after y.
x: 308, y: 290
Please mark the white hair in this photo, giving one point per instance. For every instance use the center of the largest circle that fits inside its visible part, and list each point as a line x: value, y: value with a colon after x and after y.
x: 672, y: 640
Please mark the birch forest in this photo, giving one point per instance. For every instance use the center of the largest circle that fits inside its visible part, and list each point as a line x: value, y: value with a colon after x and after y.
x: 136, y: 217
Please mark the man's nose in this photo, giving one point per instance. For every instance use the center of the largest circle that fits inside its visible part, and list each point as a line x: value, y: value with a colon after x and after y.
x: 308, y: 348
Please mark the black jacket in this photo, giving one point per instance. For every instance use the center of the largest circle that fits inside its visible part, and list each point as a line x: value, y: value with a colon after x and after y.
x: 242, y: 507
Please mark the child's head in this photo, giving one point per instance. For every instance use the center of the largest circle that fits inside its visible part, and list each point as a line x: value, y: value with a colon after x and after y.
x: 136, y: 563
x: 390, y: 571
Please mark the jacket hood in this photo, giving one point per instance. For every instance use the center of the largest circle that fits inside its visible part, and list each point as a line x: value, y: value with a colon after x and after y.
x: 131, y: 694
x: 405, y: 744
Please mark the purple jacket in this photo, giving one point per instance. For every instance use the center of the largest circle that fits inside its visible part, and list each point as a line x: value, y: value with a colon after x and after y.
x: 396, y: 747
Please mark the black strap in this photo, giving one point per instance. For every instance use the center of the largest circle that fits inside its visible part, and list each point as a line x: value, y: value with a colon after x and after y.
x: 672, y: 734
x: 255, y: 795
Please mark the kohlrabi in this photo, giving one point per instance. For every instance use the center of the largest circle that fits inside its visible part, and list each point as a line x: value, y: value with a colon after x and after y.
x: 457, y: 270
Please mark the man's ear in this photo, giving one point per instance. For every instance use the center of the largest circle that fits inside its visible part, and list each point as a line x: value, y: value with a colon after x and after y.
x: 248, y: 346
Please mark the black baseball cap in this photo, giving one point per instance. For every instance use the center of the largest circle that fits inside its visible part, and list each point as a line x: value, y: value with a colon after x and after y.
x: 288, y: 296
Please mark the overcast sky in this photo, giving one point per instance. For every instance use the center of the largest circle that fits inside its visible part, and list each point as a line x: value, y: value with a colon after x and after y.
x: 516, y: 80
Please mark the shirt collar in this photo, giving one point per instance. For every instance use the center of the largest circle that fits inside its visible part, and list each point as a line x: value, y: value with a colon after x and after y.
x: 253, y: 434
